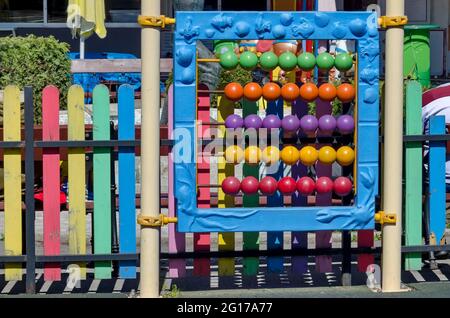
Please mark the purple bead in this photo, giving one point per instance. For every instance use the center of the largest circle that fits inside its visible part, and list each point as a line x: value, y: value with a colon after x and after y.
x: 309, y: 123
x: 290, y: 123
x: 234, y: 121
x: 252, y: 121
x: 271, y: 122
x: 327, y: 124
x: 345, y: 124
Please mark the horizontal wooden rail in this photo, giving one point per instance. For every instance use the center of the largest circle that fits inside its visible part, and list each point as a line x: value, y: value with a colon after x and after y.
x: 116, y: 66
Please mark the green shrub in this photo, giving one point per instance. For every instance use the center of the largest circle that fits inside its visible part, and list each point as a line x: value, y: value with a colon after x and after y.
x: 238, y: 75
x: 38, y: 62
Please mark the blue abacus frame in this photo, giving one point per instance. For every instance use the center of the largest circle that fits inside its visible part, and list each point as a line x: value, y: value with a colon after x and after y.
x: 202, y: 25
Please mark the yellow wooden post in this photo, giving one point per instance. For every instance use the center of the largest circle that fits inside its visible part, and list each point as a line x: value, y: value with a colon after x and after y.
x: 12, y: 182
x: 76, y: 175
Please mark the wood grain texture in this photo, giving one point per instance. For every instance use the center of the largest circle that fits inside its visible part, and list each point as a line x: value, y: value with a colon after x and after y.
x: 250, y: 239
x: 102, y: 181
x: 51, y: 181
x: 127, y: 181
x: 299, y: 239
x: 226, y: 265
x: 275, y: 239
x: 437, y: 182
x: 413, y: 175
x: 202, y: 240
x: 323, y: 238
x: 76, y: 175
x: 177, y: 267
x: 115, y: 66
x: 13, y: 182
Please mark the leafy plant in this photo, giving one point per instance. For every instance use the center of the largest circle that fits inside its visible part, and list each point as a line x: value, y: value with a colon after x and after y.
x: 238, y: 75
x: 38, y: 62
x: 173, y: 293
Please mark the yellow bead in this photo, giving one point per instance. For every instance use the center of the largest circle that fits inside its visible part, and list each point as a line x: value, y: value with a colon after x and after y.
x: 290, y: 155
x: 252, y: 154
x: 345, y: 156
x: 234, y: 154
x: 270, y: 155
x: 327, y: 155
x: 308, y: 155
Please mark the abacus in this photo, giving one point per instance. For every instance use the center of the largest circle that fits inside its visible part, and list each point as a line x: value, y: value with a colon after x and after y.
x: 351, y: 141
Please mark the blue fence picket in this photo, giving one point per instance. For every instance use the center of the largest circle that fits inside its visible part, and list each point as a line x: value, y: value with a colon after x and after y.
x: 437, y: 181
x: 127, y: 181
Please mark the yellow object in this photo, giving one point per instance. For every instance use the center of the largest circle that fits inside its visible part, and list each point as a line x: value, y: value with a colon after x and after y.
x: 252, y: 154
x: 327, y: 155
x: 86, y: 17
x: 394, y: 21
x: 290, y: 155
x: 160, y: 21
x: 345, y: 156
x: 12, y: 182
x: 234, y: 154
x: 76, y: 175
x: 270, y: 155
x: 208, y: 60
x: 152, y: 221
x: 309, y: 155
x: 388, y: 218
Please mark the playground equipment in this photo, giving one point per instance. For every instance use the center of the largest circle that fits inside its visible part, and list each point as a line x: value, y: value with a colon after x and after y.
x: 196, y: 26
x: 298, y: 201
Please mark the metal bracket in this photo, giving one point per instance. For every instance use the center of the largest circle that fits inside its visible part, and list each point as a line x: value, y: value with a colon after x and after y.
x: 155, y: 221
x: 152, y: 21
x: 388, y: 218
x: 393, y: 21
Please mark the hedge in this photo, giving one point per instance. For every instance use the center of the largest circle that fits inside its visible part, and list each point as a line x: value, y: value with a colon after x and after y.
x: 38, y: 62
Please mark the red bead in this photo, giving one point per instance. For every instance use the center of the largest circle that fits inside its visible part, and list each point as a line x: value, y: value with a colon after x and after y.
x: 305, y: 186
x: 231, y: 185
x: 342, y: 186
x: 324, y: 185
x: 287, y: 185
x: 249, y: 185
x: 268, y: 185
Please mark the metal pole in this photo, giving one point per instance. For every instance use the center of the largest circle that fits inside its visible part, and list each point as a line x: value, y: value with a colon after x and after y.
x: 393, y: 150
x: 149, y: 269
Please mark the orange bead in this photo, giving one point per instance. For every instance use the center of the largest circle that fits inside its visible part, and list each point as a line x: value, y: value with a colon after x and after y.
x: 252, y: 91
x: 327, y: 92
x: 290, y: 92
x: 234, y: 91
x: 309, y: 92
x: 271, y: 91
x: 346, y: 92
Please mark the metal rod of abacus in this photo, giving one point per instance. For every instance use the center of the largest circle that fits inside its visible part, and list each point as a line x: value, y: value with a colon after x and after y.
x: 214, y: 91
x: 208, y: 60
x: 208, y: 185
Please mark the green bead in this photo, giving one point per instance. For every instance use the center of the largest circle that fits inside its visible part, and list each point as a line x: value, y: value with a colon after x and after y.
x: 248, y: 60
x: 268, y: 61
x: 229, y: 60
x: 306, y: 61
x: 287, y: 61
x: 325, y: 61
x: 343, y: 62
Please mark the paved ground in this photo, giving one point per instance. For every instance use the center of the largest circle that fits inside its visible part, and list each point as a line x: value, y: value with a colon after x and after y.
x: 424, y: 283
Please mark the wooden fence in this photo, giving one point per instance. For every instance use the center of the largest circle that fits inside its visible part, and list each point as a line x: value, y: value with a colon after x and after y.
x: 19, y: 158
